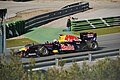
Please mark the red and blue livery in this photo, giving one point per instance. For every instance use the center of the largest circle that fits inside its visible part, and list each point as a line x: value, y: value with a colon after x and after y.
x: 65, y: 44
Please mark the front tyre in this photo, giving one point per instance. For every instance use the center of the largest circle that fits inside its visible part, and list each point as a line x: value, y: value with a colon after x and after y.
x: 24, y: 54
x: 43, y: 51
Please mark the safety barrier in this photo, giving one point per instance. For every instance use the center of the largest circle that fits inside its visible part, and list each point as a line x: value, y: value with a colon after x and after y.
x: 68, y: 58
x: 65, y: 11
x: 15, y: 28
x: 95, y: 23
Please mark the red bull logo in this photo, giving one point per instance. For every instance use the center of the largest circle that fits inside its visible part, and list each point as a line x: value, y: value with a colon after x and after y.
x: 70, y: 38
x: 67, y: 38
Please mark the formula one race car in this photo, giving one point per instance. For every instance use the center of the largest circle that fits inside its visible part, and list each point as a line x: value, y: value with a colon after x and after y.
x: 65, y: 44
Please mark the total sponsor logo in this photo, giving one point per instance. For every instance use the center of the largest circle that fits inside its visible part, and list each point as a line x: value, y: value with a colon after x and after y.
x: 90, y: 35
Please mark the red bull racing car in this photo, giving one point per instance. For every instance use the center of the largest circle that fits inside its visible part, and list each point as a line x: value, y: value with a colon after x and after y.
x: 65, y: 44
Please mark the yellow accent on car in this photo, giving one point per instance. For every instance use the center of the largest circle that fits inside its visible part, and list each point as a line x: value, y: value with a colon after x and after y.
x: 62, y: 39
x: 55, y: 51
x: 23, y: 49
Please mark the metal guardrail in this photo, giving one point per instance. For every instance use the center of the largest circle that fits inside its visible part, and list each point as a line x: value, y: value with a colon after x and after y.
x: 65, y: 11
x: 68, y: 58
x: 19, y: 27
x: 95, y: 23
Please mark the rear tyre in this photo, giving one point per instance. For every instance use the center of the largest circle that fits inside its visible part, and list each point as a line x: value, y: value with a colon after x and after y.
x: 43, y: 51
x: 93, y: 45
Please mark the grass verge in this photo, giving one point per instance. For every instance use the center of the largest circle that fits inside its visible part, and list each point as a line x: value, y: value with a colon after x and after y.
x: 101, y: 31
x: 19, y: 42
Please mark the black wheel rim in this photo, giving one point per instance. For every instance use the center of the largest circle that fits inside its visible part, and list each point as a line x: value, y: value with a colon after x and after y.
x: 44, y: 51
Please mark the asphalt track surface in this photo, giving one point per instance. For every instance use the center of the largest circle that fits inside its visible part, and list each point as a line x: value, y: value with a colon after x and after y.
x: 14, y: 7
x: 101, y: 8
x: 108, y: 41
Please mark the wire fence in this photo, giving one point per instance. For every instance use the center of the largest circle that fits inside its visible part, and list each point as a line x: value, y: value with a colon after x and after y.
x: 69, y: 58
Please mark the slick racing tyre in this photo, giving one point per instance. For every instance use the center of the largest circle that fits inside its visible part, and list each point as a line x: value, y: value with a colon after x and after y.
x: 93, y: 45
x: 43, y: 51
x: 21, y: 53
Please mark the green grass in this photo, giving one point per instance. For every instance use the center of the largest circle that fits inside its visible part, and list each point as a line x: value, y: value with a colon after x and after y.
x: 19, y: 42
x: 102, y: 31
x: 38, y: 35
x: 44, y: 34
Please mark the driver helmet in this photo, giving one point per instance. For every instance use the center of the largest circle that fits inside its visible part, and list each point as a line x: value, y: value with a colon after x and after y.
x: 55, y: 40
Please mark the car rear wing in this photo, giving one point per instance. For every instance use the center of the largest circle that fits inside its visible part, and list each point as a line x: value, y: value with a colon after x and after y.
x: 88, y: 36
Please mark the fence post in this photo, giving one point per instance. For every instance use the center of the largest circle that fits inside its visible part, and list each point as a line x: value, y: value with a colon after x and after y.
x: 57, y: 62
x: 119, y: 51
x: 90, y: 57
